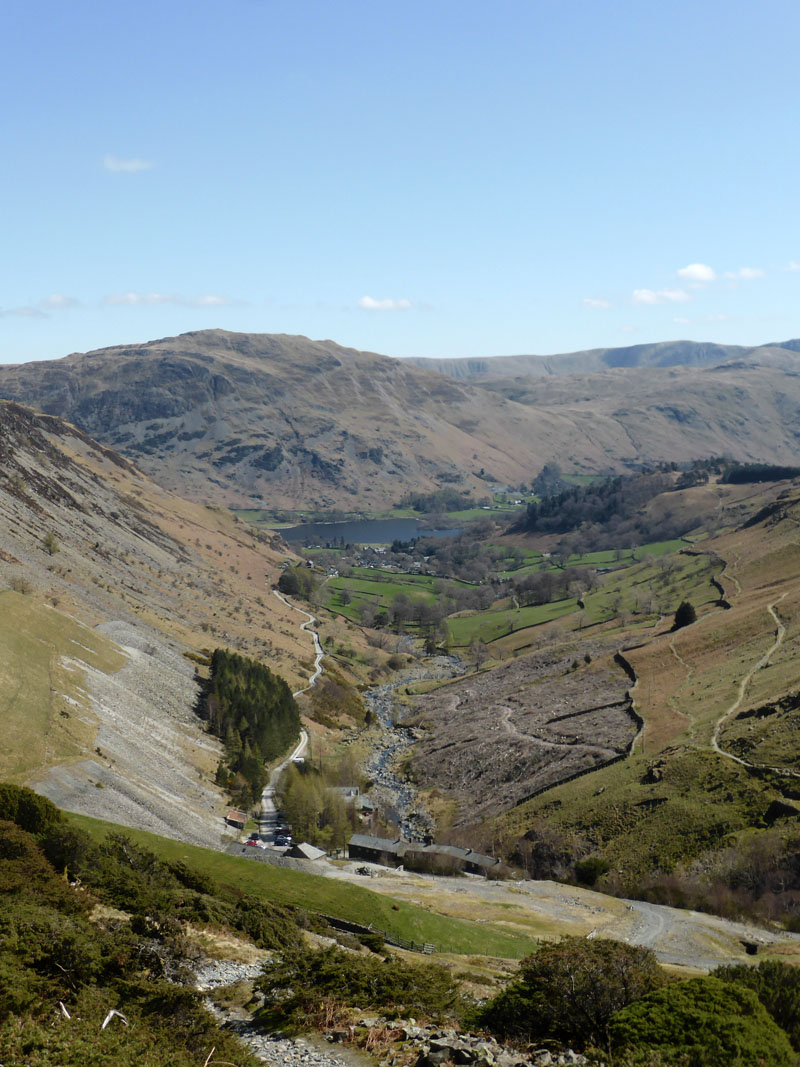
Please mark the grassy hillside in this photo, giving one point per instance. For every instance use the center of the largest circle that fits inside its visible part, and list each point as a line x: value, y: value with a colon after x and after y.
x: 327, y: 896
x: 43, y: 657
x: 719, y: 701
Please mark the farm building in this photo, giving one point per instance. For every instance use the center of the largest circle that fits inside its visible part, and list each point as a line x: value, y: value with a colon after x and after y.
x: 447, y: 858
x: 377, y: 849
x: 437, y: 859
x: 236, y: 818
x: 305, y: 851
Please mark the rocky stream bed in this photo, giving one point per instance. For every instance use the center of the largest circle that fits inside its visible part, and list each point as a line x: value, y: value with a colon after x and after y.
x: 392, y: 791
x: 390, y: 1043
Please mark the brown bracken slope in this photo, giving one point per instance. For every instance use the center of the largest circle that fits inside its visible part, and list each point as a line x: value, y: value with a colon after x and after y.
x: 280, y: 421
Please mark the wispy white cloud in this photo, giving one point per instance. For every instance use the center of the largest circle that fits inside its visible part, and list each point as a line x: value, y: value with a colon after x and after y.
x: 793, y: 265
x: 660, y: 296
x: 681, y: 320
x: 369, y: 303
x: 127, y: 166
x: 211, y: 300
x: 26, y: 312
x: 58, y: 301
x: 136, y: 299
x: 697, y: 272
x: 596, y: 302
x: 42, y: 309
x: 745, y: 273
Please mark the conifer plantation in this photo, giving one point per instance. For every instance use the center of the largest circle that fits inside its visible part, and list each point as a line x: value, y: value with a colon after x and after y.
x: 255, y: 714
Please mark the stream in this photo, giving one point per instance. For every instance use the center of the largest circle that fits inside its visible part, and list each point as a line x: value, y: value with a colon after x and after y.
x: 396, y: 795
x: 399, y: 798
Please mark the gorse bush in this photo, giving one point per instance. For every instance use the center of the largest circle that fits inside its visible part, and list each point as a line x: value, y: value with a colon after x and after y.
x: 569, y: 991
x: 294, y: 984
x: 51, y: 952
x: 777, y: 986
x: 126, y: 875
x: 702, y: 1022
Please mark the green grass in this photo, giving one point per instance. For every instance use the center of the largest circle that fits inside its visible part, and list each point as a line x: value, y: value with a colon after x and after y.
x: 610, y: 557
x: 488, y: 626
x: 42, y: 656
x: 645, y: 588
x: 701, y: 801
x: 379, y: 589
x: 326, y: 896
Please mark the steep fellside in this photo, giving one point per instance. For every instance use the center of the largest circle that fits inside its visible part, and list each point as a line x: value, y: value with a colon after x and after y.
x: 282, y: 421
x: 105, y: 582
x: 236, y: 418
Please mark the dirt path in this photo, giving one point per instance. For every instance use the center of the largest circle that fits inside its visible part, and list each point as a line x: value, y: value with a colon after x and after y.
x: 511, y: 728
x: 318, y: 649
x: 268, y: 820
x: 780, y: 633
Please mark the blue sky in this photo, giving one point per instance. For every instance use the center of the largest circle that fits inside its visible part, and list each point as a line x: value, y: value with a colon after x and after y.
x: 420, y: 179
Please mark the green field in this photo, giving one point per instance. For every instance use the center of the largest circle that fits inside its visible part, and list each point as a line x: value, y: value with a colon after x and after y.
x: 650, y: 588
x: 488, y: 626
x: 642, y: 588
x: 610, y: 557
x: 326, y: 896
x: 379, y: 589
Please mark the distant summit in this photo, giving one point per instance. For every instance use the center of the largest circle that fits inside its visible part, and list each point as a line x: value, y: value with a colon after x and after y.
x: 660, y: 354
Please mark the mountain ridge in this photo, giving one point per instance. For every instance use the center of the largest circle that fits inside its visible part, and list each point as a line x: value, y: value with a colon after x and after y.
x: 282, y: 421
x: 655, y: 354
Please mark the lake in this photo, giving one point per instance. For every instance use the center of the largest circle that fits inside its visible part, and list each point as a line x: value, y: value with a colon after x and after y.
x: 362, y: 531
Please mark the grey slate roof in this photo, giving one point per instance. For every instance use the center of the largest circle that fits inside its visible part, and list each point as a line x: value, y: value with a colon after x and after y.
x: 379, y: 844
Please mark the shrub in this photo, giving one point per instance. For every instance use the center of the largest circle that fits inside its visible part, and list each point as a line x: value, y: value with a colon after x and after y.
x: 589, y: 870
x: 702, y: 1022
x: 294, y: 984
x: 685, y: 615
x: 27, y: 809
x: 569, y: 991
x: 777, y: 986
